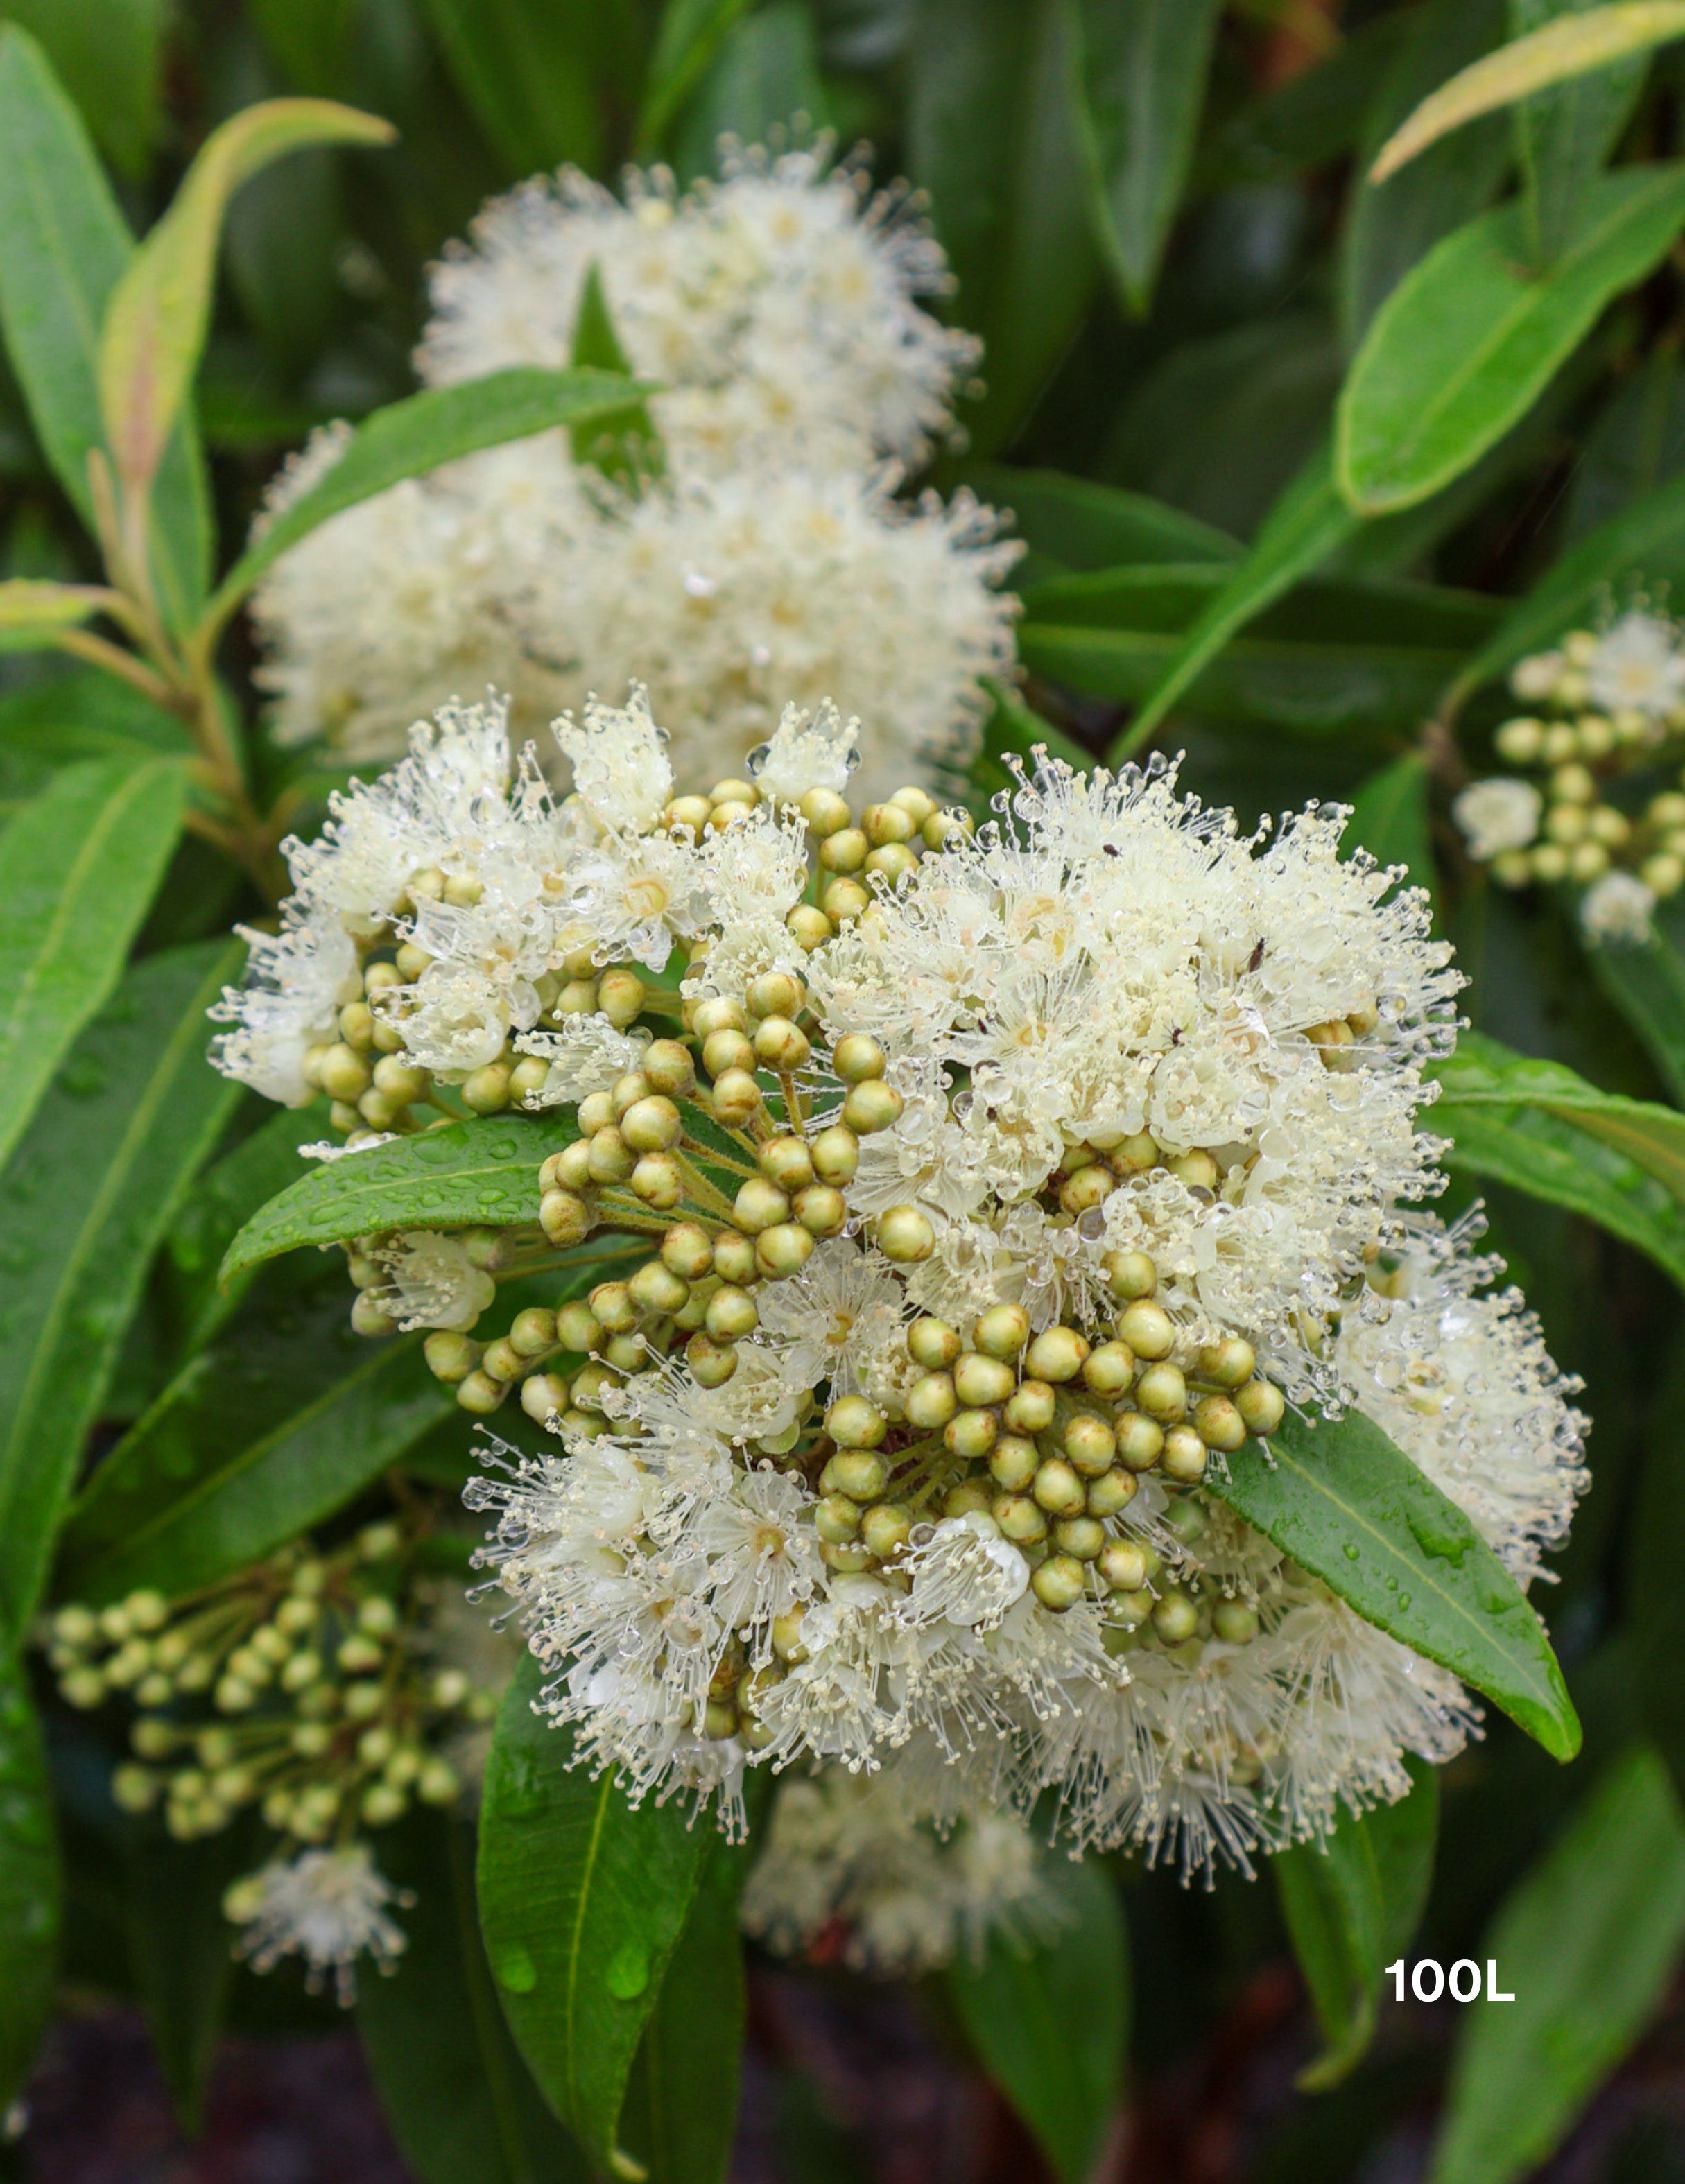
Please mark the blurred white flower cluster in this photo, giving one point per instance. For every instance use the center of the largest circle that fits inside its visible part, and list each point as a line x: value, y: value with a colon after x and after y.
x: 775, y: 560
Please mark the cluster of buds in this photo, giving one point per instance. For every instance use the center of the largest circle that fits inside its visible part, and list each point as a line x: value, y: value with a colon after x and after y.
x: 304, y: 1686
x: 1588, y: 809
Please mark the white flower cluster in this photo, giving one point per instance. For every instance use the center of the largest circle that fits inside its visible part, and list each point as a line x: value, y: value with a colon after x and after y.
x: 328, y: 1907
x: 979, y: 1192
x: 778, y: 310
x: 862, y: 1869
x: 1609, y: 703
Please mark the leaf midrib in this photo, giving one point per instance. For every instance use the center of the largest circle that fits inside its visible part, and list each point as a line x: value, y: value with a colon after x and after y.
x: 576, y: 1943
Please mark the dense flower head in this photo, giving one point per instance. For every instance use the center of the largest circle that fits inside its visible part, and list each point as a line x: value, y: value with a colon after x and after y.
x: 960, y: 1198
x: 772, y: 560
x: 331, y: 1908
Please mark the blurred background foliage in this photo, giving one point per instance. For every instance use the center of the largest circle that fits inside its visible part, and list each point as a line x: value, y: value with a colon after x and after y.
x: 1178, y: 322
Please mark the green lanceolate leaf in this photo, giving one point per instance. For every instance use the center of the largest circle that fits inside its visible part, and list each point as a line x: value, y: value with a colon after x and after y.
x: 276, y: 1426
x: 1586, y: 1943
x: 1352, y: 1509
x: 624, y: 446
x: 1139, y: 84
x: 689, y: 37
x: 989, y: 137
x: 680, y: 2115
x: 1081, y: 524
x: 158, y: 313
x: 582, y: 1901
x: 1305, y: 526
x: 1564, y: 134
x: 79, y: 867
x: 461, y: 2103
x: 1544, y: 1129
x: 459, y: 1174
x: 29, y: 1880
x: 1050, y: 2023
x: 1646, y: 981
x: 64, y: 245
x: 85, y: 1201
x: 1352, y: 1904
x: 223, y: 1198
x: 1469, y: 339
x: 409, y: 438
x: 55, y: 721
x: 1389, y: 819
x: 179, y: 1949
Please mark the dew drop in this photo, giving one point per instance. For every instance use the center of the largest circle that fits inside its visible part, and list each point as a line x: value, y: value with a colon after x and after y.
x: 516, y: 1969
x: 628, y: 1972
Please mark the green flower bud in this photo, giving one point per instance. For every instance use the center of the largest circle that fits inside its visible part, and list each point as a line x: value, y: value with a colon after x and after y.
x: 859, y: 1473
x: 783, y: 1250
x: 835, y: 1155
x: 543, y: 1393
x: 620, y: 996
x: 1012, y: 1462
x: 1109, y: 1369
x: 1080, y: 1537
x: 712, y: 1363
x: 1130, y: 1275
x: 1123, y: 1565
x: 760, y: 1205
x: 931, y: 1401
x: 1234, y: 1622
x: 1185, y: 1457
x: 1140, y: 1440
x: 1057, y: 1354
x: 1059, y: 1582
x: 1058, y: 1488
x: 786, y: 1163
x: 1090, y: 1444
x: 905, y: 1235
x: 885, y: 1528
x: 857, y: 1060
x: 971, y: 1433
x: 1229, y: 1362
x: 451, y: 1357
x: 1019, y: 1518
x: 1174, y: 1616
x: 1030, y: 1408
x: 853, y: 1422
x: 368, y: 1319
x: 836, y: 1519
x: 979, y: 1379
x: 1162, y: 1392
x: 871, y: 1107
x: 438, y: 1783
x: 1113, y: 1490
x: 578, y: 1327
x: 1261, y: 1406
x: 821, y: 1210
x: 1219, y: 1423
x: 732, y: 1313
x: 565, y: 1218
x: 933, y: 1344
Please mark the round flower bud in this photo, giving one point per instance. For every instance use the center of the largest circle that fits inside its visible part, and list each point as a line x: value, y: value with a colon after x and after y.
x: 931, y: 1401
x: 1112, y: 1492
x: 760, y: 1205
x: 733, y: 790
x: 904, y: 1235
x: 1091, y: 1185
x: 836, y: 1519
x: 892, y: 861
x: 1219, y: 1423
x: 822, y: 1211
x: 783, y: 1250
x: 844, y: 851
x: 611, y: 1302
x: 885, y: 1528
x: 845, y: 899
x: 1059, y: 1582
x: 541, y: 1393
x: 718, y: 1012
x: 971, y: 1433
x: 1090, y: 1444
x: 1012, y: 1462
x: 883, y: 823
x: 367, y: 1317
x: 735, y: 1256
x: 400, y: 1081
x: 836, y: 1154
x: 655, y: 1290
x: 652, y: 1124
x: 687, y: 1252
x: 1140, y: 1440
x: 1003, y: 1331
x: 712, y: 1363
x: 1109, y: 1369
x: 858, y: 1471
x: 1162, y: 1392
x: 776, y: 993
x: 657, y: 1183
x: 737, y: 1099
x: 1057, y: 1488
x: 853, y: 1422
x: 527, y: 1077
x: 825, y: 811
x: 787, y: 1162
x: 1174, y: 1616
x: 486, y: 1091
x: 1082, y: 1537
x: 532, y: 1331
x: 1197, y: 1169
x: 871, y: 1107
x: 611, y: 1159
x: 671, y: 1068
x: 572, y: 1166
x: 620, y: 996
x: 858, y: 1059
x: 1229, y: 1362
x: 1058, y: 1353
x: 782, y: 1046
x: 437, y: 1782
x: 1147, y: 1329
x: 343, y: 1074
x: 848, y: 1561
x: 726, y: 1051
x: 451, y: 1357
x: 1184, y: 1457
x: 1019, y: 1519
x: 809, y: 926
x: 979, y: 1379
x: 1261, y: 1406
x: 625, y: 1352
x: 1129, y: 1275
x: 933, y: 1344
x: 1030, y: 1407
x: 578, y: 1327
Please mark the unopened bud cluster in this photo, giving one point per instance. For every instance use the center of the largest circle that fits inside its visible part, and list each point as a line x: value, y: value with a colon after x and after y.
x: 303, y: 1687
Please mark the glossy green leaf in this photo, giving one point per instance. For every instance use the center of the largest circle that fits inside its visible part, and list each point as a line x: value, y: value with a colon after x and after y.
x: 29, y: 1885
x: 462, y: 1173
x: 1300, y: 532
x: 1141, y: 67
x: 1350, y: 1509
x: 535, y: 72
x: 78, y: 869
x: 1540, y: 1127
x: 686, y: 43
x: 680, y: 2115
x: 87, y: 1198
x: 409, y: 438
x: 1082, y: 525
x: 1587, y: 1942
x: 56, y: 720
x: 461, y: 2103
x: 1050, y: 2023
x: 64, y: 247
x: 1389, y: 228
x: 107, y: 55
x: 1572, y: 45
x: 763, y: 74
x: 1469, y: 340
x: 625, y: 445
x: 989, y: 137
x: 1644, y: 541
x: 1390, y: 819
x: 1646, y: 981
x: 1334, y: 656
x: 1353, y: 1903
x: 269, y: 1431
x: 179, y: 1948
x: 158, y: 314
x: 582, y: 1901
x: 1564, y: 134
x: 220, y: 1202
